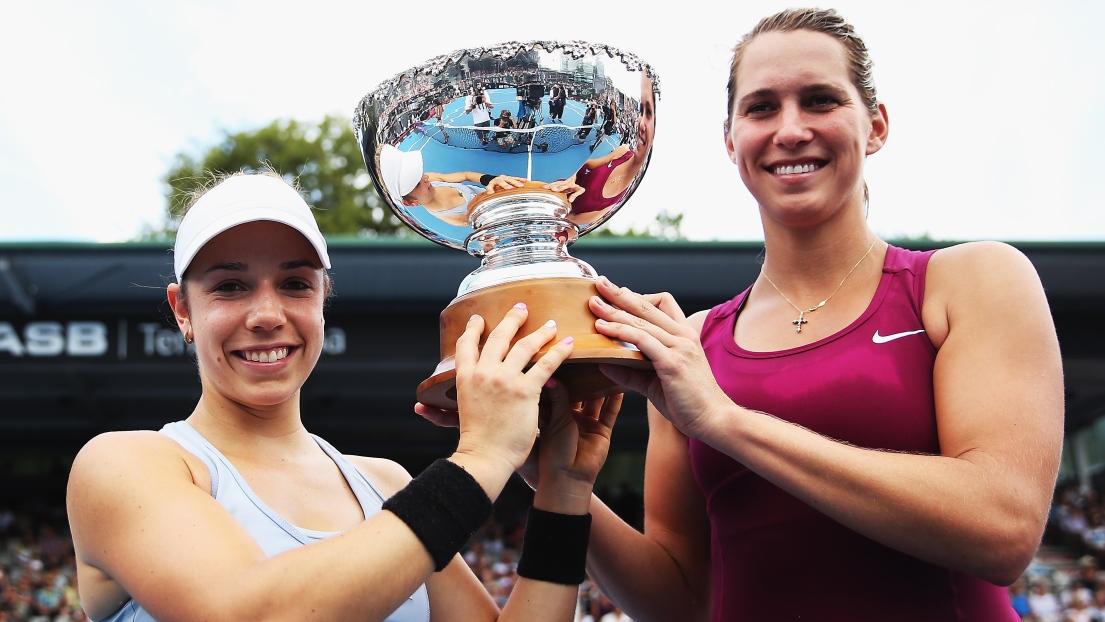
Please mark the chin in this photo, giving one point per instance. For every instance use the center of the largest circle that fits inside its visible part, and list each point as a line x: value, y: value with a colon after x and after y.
x: 263, y: 398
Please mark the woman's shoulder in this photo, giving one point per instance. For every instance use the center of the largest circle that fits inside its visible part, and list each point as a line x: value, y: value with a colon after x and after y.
x: 122, y: 448
x: 964, y: 266
x: 117, y: 460
x: 977, y: 278
x: 388, y: 476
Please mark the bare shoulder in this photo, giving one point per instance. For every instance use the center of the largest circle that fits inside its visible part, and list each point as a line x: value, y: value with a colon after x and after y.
x: 995, y: 258
x: 963, y: 269
x: 698, y: 319
x: 978, y: 277
x: 119, y: 470
x: 116, y: 465
x: 113, y: 454
x: 388, y: 476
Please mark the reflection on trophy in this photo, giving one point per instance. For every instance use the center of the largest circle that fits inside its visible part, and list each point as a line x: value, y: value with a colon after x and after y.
x: 511, y: 153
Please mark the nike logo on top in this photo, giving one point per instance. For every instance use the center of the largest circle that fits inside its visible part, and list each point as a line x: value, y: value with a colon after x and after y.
x: 877, y: 338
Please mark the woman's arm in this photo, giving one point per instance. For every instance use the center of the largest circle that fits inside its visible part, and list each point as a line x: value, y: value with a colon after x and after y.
x: 662, y: 574
x: 575, y: 440
x: 981, y: 505
x: 500, y: 182
x: 139, y: 519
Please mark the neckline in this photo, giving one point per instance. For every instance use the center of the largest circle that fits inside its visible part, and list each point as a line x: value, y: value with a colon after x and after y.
x: 302, y: 534
x: 872, y: 306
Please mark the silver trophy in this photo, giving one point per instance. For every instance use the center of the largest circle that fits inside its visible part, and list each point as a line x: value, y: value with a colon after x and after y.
x: 511, y: 153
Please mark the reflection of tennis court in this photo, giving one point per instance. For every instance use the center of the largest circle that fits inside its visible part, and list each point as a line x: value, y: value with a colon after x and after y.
x: 555, y: 147
x: 454, y: 146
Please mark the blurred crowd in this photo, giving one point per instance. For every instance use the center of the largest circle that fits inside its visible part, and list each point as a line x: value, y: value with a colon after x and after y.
x: 1065, y: 582
x: 38, y: 578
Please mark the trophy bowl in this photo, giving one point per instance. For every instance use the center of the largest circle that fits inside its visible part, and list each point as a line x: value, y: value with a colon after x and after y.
x: 511, y: 152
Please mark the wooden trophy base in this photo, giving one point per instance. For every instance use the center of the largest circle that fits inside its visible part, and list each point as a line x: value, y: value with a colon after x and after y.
x: 561, y: 299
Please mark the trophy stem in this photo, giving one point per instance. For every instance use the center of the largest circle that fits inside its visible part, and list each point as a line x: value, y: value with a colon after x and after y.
x: 522, y: 234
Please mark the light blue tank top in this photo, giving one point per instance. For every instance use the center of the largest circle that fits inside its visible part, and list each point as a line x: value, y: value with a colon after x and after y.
x: 466, y: 191
x: 270, y: 530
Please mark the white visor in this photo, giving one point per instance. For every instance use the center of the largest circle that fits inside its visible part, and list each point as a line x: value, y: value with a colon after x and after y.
x: 402, y: 171
x: 238, y: 200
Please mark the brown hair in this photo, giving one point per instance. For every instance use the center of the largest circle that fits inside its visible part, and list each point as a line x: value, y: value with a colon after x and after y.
x: 826, y: 21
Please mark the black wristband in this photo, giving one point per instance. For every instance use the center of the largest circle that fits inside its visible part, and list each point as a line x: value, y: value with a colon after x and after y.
x: 443, y: 506
x: 486, y: 179
x: 555, y: 547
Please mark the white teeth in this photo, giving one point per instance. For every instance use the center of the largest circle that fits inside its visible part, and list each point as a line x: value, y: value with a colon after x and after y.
x: 266, y: 357
x: 790, y: 170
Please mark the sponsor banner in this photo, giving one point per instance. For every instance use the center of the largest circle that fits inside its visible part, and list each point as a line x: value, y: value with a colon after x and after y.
x: 122, y: 339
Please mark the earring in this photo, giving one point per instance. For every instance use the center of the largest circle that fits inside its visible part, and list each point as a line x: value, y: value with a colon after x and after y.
x: 188, y: 339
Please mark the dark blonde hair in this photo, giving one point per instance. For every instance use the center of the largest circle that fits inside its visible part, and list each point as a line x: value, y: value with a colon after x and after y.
x: 826, y: 21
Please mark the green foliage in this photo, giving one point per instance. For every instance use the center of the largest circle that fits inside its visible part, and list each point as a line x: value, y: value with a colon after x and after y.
x: 324, y: 159
x: 666, y: 227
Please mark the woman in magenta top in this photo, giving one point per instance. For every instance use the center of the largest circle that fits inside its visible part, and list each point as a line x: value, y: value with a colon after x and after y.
x: 602, y: 182
x: 866, y: 433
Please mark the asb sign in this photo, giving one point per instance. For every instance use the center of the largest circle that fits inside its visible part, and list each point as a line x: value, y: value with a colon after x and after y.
x: 54, y: 339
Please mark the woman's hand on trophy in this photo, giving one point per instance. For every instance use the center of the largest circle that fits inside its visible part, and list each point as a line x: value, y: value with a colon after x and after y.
x: 567, y: 186
x: 681, y: 385
x: 497, y: 396
x: 574, y: 444
x: 504, y: 182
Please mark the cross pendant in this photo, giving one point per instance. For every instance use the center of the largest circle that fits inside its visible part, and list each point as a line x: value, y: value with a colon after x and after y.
x: 799, y: 322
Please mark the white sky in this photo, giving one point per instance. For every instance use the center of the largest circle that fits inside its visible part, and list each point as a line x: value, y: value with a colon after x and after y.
x: 997, y: 109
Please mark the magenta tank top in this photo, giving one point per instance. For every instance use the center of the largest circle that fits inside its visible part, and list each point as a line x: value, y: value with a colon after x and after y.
x: 773, y: 556
x: 594, y: 180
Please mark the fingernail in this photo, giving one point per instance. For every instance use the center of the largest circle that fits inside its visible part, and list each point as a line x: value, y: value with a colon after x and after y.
x: 601, y: 322
x: 473, y: 318
x: 568, y: 340
x: 520, y: 305
x: 605, y: 281
x: 550, y: 324
x: 550, y: 383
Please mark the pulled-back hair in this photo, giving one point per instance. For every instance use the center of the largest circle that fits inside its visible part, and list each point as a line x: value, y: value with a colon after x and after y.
x: 826, y: 21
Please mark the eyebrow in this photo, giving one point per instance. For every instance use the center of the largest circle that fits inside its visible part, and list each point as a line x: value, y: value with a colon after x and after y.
x: 298, y: 263
x: 232, y: 266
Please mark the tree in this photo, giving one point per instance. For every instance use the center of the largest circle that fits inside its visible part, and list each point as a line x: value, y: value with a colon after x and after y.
x: 324, y: 159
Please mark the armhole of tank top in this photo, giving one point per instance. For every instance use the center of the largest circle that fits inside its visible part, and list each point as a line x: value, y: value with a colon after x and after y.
x: 707, y: 322
x: 192, y: 441
x: 921, y: 267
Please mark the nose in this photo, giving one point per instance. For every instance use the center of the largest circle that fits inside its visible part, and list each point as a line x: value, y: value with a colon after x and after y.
x: 266, y: 311
x: 793, y: 129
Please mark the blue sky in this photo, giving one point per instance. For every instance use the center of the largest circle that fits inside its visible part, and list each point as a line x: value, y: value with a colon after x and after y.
x: 997, y: 109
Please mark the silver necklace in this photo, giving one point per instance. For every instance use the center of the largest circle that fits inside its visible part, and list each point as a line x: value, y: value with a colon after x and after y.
x: 801, y: 314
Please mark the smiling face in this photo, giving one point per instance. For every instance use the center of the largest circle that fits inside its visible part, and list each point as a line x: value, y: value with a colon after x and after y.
x: 799, y: 131
x: 254, y: 299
